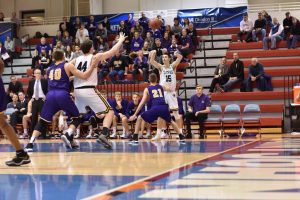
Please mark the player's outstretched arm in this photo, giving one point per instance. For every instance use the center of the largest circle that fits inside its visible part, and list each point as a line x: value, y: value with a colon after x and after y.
x: 108, y: 54
x: 142, y: 103
x: 153, y: 62
x: 1, y: 67
x: 178, y: 59
x: 72, y: 70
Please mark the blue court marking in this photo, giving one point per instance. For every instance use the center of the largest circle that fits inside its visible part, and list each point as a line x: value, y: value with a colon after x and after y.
x: 142, y: 147
x: 49, y: 187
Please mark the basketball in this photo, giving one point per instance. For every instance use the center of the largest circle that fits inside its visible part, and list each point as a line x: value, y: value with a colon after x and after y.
x: 155, y: 23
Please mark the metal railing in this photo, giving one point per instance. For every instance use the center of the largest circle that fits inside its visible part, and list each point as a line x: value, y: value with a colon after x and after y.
x: 182, y: 90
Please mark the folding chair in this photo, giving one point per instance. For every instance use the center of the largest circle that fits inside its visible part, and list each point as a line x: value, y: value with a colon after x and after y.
x: 251, y: 117
x: 231, y: 118
x: 214, y: 119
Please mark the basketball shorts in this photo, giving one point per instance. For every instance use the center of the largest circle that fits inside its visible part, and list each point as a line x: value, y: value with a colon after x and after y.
x: 171, y: 100
x: 155, y: 112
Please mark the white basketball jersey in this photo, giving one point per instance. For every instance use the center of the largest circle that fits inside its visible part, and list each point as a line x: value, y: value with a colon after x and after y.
x: 168, y: 77
x: 83, y: 63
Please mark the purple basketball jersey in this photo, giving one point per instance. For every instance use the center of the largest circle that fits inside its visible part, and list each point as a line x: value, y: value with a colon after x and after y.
x: 58, y: 78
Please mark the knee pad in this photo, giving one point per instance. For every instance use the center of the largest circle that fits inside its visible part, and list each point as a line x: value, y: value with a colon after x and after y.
x: 41, y: 126
x: 76, y: 121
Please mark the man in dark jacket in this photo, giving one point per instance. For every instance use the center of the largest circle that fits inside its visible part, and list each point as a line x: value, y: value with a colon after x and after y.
x: 295, y: 34
x: 287, y: 24
x: 220, y: 75
x: 235, y: 73
x: 21, y: 110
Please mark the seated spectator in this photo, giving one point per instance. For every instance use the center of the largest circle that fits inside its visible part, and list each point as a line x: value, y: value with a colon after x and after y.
x: 168, y: 29
x: 144, y: 21
x: 129, y: 22
x: 122, y: 28
x: 38, y: 50
x: 220, y: 75
x: 106, y: 24
x: 103, y: 70
x: 43, y: 61
x: 198, y: 108
x: 192, y: 32
x: 69, y: 54
x: 119, y: 106
x: 11, y: 107
x: 91, y: 26
x: 59, y: 46
x: 10, y: 46
x: 146, y: 49
x: 268, y: 18
x: 149, y: 39
x: 166, y: 41
x: 156, y: 33
x: 67, y: 39
x: 138, y: 28
x: 26, y: 121
x: 119, y: 67
x: 173, y: 48
x: 259, y: 28
x: 77, y: 42
x: 235, y: 73
x: 20, y: 111
x: 287, y: 25
x: 176, y: 28
x: 65, y: 25
x: 276, y: 34
x: 77, y: 52
x: 163, y: 25
x: 186, y: 43
x: 186, y: 23
x: 82, y: 33
x: 56, y: 38
x: 100, y: 32
x: 140, y: 66
x: 136, y: 42
x: 102, y: 45
x: 14, y: 86
x: 159, y: 52
x: 76, y: 26
x: 4, y: 55
x: 257, y: 74
x: 295, y: 34
x: 246, y: 26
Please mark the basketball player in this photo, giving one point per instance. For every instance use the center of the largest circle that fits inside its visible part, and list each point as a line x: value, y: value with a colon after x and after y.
x: 58, y: 98
x: 85, y: 91
x: 159, y: 109
x: 167, y: 80
x: 22, y: 157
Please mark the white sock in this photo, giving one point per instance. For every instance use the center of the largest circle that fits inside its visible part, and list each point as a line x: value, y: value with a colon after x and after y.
x: 90, y: 130
x: 77, y: 131
x: 25, y: 131
x: 114, y: 130
x: 32, y: 139
x: 123, y: 130
x: 180, y: 130
x: 70, y: 131
x: 148, y: 131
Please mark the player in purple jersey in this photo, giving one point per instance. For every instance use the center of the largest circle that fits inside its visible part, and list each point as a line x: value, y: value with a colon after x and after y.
x: 58, y: 98
x: 159, y: 109
x: 22, y: 157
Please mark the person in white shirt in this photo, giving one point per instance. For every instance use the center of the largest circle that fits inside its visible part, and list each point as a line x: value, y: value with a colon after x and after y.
x: 9, y: 45
x: 276, y: 34
x: 246, y: 26
x: 82, y: 33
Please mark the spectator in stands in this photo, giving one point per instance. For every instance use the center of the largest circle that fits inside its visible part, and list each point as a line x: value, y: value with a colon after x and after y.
x: 129, y: 22
x: 65, y: 25
x: 26, y: 120
x: 37, y: 90
x: 102, y: 45
x: 77, y: 52
x: 149, y: 39
x: 77, y: 42
x: 257, y: 74
x: 122, y: 28
x: 146, y: 49
x: 14, y: 86
x: 10, y: 46
x: 67, y: 40
x: 104, y: 70
x: 168, y: 29
x: 43, y: 61
x: 38, y: 50
x: 173, y: 48
x: 1, y: 17
x: 21, y: 110
x: 69, y: 54
x: 192, y: 32
x: 186, y: 43
x: 198, y: 108
x: 259, y: 28
x: 119, y: 106
x: 220, y: 75
x: 140, y: 66
x: 295, y: 34
x: 276, y: 34
x: 106, y: 24
x: 119, y: 67
x: 287, y: 25
x: 176, y: 28
x: 4, y: 54
x: 235, y: 73
x: 115, y: 41
x: 101, y: 32
x: 144, y: 21
x: 156, y: 33
x: 12, y: 106
x: 16, y: 20
x: 82, y: 33
x: 246, y: 26
x: 91, y: 26
x: 59, y: 46
x: 186, y: 23
x: 136, y: 42
x: 166, y: 41
x: 57, y: 38
x: 76, y: 26
x: 268, y: 18
x: 138, y: 28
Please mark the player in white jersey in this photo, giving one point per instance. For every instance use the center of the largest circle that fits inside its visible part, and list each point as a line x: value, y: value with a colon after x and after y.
x: 167, y: 80
x: 85, y: 91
